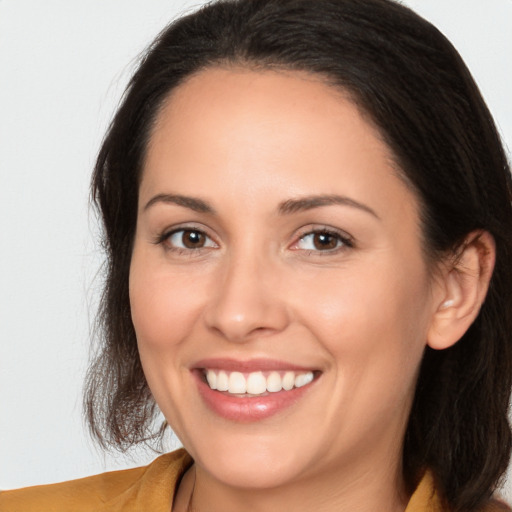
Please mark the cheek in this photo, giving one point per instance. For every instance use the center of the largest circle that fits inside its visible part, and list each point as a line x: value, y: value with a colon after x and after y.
x: 164, y: 306
x: 165, y: 309
x: 365, y: 300
x: 373, y: 323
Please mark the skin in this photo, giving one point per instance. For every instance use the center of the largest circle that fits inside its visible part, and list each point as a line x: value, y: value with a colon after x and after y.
x: 361, y: 314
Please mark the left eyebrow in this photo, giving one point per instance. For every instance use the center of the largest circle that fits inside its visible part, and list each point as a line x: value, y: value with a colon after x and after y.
x: 310, y: 202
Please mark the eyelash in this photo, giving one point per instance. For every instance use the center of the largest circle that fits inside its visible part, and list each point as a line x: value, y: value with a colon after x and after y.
x: 165, y: 237
x: 343, y: 241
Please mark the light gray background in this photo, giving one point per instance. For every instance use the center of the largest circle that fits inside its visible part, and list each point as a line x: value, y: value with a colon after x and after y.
x: 63, y: 67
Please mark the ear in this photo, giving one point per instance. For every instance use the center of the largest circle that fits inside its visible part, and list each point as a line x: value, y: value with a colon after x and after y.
x: 461, y: 289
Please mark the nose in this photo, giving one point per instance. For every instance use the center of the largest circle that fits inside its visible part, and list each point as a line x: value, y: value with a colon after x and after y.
x: 248, y: 301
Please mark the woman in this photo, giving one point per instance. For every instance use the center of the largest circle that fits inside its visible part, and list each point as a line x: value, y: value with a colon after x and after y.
x: 308, y: 219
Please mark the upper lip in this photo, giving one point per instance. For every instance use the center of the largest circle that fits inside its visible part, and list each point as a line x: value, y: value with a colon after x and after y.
x: 250, y: 365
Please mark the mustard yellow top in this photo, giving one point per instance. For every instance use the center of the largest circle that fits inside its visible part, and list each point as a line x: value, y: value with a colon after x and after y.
x: 150, y: 489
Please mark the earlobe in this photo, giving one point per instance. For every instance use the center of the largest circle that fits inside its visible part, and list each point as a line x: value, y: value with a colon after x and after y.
x: 462, y: 288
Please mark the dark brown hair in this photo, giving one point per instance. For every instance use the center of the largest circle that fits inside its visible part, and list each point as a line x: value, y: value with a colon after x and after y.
x: 410, y: 81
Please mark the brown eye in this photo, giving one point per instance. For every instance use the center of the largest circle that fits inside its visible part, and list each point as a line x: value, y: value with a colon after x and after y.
x: 193, y: 239
x: 325, y: 241
x: 188, y: 239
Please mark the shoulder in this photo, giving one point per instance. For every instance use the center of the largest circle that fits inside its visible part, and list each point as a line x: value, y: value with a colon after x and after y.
x: 125, y: 490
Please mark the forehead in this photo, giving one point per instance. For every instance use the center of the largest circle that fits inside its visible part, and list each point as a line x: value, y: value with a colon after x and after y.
x: 244, y: 98
x: 256, y: 129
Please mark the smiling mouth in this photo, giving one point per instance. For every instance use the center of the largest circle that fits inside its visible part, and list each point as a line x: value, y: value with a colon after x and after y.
x: 256, y: 384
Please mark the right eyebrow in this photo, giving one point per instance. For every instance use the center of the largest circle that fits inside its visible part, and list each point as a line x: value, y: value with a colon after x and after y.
x: 193, y: 203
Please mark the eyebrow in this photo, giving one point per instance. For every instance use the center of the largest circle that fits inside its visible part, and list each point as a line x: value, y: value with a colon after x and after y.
x: 310, y: 202
x: 193, y: 203
x: 285, y: 208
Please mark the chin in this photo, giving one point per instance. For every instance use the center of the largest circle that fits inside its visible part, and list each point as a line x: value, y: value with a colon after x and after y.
x: 251, y: 462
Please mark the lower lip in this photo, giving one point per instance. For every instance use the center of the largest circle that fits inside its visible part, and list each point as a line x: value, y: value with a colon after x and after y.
x: 250, y: 409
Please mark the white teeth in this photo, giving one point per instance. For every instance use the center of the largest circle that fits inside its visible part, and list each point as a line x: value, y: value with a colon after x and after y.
x: 222, y: 381
x: 274, y: 382
x: 288, y: 380
x: 237, y: 383
x: 303, y: 379
x: 255, y: 383
x: 211, y: 377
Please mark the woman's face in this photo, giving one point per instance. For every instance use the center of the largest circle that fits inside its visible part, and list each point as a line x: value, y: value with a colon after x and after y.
x: 275, y: 244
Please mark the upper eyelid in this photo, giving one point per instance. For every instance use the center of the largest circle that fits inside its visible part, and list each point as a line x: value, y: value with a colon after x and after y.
x: 308, y: 230
x: 347, y: 241
x: 167, y: 232
x: 184, y: 226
